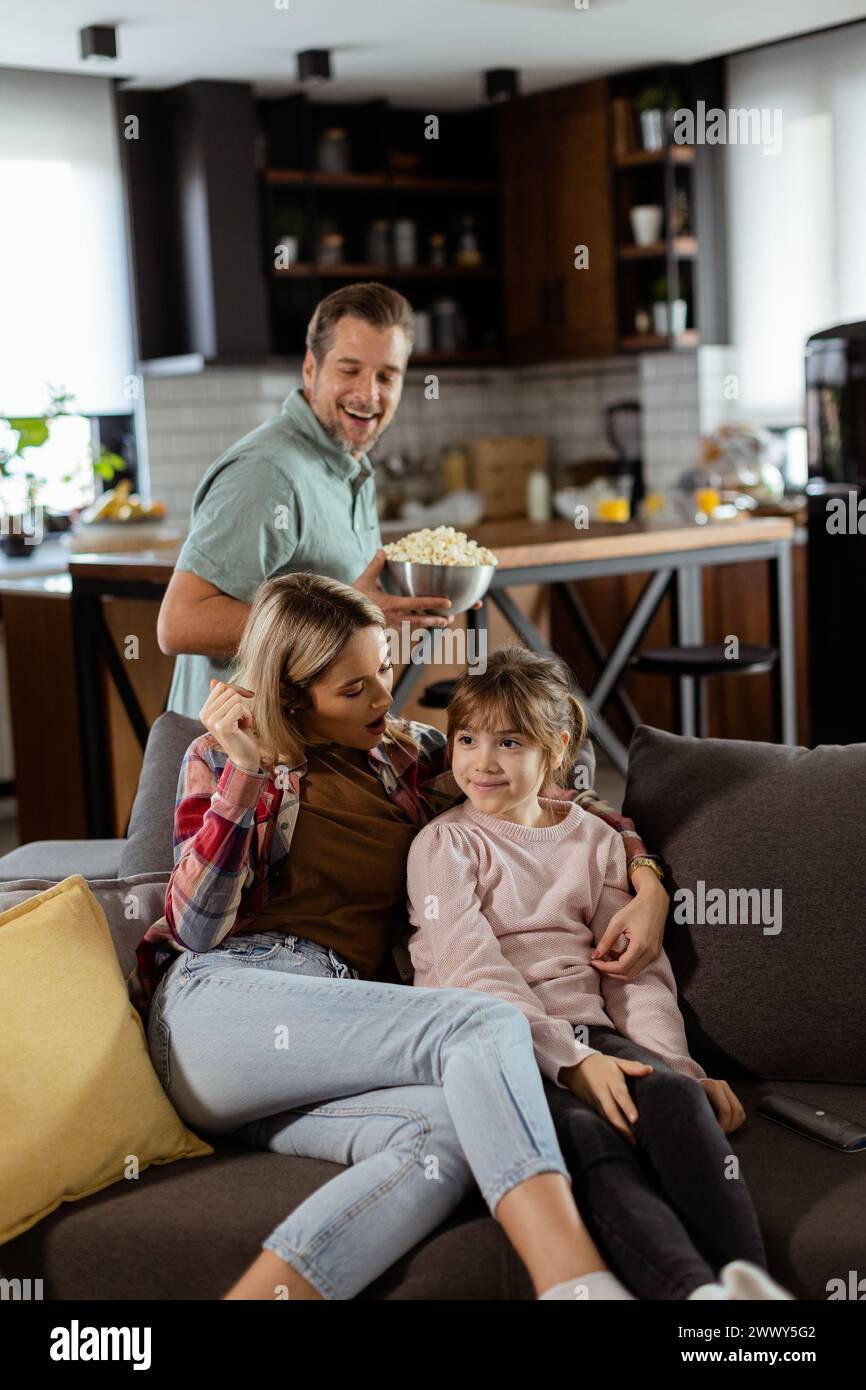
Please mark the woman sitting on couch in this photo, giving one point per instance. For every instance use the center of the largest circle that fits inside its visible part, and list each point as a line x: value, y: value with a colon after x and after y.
x: 270, y: 1015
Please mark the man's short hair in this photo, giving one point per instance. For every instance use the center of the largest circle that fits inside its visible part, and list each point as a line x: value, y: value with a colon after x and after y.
x: 375, y: 304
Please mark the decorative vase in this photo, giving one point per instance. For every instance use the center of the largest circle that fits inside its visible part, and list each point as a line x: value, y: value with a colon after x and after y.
x: 646, y: 223
x: 679, y: 317
x: 15, y: 540
x: 652, y: 129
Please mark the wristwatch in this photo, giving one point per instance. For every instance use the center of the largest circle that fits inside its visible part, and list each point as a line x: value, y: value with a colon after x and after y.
x: 648, y: 861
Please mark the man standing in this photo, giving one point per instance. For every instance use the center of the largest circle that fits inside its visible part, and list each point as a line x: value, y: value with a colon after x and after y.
x: 297, y: 493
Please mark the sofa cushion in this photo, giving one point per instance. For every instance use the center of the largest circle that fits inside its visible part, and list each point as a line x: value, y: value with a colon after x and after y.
x: 733, y: 815
x: 813, y: 1222
x: 200, y: 1236
x: 74, y: 1066
x: 130, y: 905
x: 148, y: 846
x: 810, y: 1199
x: 57, y: 859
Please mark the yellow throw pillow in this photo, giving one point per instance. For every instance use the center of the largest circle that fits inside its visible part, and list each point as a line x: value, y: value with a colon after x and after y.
x: 81, y: 1104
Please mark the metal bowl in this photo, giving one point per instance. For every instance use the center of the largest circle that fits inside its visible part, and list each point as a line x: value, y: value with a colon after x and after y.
x: 463, y: 584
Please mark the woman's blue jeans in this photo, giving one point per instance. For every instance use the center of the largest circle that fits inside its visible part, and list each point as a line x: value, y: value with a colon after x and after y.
x: 420, y: 1092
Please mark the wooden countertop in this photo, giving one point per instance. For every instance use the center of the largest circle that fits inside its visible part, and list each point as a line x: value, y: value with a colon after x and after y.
x: 515, y: 543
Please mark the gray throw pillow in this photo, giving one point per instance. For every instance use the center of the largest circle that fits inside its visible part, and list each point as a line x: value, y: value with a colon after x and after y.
x: 130, y: 905
x: 148, y: 847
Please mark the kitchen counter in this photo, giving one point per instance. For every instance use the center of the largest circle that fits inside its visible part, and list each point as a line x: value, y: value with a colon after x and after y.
x: 516, y: 544
x: 51, y: 557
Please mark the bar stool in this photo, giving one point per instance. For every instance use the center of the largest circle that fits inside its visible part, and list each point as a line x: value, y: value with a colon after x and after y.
x: 437, y: 694
x: 693, y: 664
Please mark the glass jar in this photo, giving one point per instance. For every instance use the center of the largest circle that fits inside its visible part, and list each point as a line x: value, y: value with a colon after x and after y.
x: 446, y: 325
x: 333, y: 153
x: 405, y: 242
x: 468, y: 250
x: 331, y: 249
x: 379, y: 242
x: 437, y: 250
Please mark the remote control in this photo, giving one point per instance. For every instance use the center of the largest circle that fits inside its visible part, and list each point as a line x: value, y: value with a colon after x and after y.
x: 813, y: 1123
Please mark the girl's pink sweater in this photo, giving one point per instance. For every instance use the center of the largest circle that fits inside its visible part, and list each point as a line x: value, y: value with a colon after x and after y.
x: 516, y: 912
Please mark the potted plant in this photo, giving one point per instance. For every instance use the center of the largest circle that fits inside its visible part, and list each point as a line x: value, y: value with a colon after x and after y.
x: 651, y: 104
x: 668, y: 318
x: 21, y: 529
x: 660, y: 306
x: 288, y: 247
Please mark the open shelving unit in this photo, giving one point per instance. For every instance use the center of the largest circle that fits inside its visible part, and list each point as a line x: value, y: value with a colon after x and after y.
x: 395, y: 174
x: 687, y: 261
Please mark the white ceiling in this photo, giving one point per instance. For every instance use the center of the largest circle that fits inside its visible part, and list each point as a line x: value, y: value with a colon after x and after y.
x: 415, y: 52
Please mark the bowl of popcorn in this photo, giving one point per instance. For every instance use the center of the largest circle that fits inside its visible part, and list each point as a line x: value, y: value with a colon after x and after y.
x: 441, y: 562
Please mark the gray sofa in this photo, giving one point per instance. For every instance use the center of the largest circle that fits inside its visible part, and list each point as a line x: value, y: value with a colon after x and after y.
x: 783, y: 1011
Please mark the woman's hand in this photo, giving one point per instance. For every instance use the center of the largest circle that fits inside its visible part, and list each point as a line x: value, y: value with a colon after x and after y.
x: 729, y: 1112
x: 226, y: 715
x: 643, y: 921
x: 600, y: 1081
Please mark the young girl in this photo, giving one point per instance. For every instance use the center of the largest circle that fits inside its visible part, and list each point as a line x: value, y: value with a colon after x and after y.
x: 510, y: 891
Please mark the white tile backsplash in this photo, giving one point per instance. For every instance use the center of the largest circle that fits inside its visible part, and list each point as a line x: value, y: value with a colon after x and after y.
x: 192, y: 419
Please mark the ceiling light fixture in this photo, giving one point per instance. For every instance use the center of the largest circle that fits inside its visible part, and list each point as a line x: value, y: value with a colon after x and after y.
x: 314, y: 65
x: 500, y: 84
x: 98, y: 41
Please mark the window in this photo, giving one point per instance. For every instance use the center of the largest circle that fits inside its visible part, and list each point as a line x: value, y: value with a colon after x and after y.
x: 796, y: 219
x: 63, y: 275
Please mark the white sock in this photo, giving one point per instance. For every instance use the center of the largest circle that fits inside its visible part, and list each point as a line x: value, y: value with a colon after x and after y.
x: 707, y: 1291
x: 599, y: 1284
x: 746, y: 1281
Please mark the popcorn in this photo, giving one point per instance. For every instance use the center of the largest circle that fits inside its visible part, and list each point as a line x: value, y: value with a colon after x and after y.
x: 442, y: 546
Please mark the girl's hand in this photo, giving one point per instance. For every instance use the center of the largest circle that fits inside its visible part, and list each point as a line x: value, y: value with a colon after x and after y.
x: 226, y: 715
x: 600, y: 1081
x: 729, y: 1112
x: 643, y: 921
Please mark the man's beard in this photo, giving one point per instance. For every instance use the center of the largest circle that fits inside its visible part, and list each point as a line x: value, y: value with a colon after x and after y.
x: 334, y: 429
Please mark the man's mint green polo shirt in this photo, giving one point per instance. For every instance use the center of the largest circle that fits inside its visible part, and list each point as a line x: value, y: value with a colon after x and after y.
x: 282, y: 499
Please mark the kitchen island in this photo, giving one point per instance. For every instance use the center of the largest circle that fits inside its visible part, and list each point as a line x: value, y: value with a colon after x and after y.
x: 83, y: 708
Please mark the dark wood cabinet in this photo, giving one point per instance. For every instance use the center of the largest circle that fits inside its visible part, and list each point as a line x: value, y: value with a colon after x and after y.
x: 188, y: 157
x: 556, y: 197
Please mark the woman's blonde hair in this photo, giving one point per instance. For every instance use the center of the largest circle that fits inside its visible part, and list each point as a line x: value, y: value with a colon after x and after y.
x: 528, y: 693
x: 297, y: 628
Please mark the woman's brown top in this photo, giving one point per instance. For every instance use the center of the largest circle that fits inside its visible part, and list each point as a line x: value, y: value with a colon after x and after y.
x: 344, y: 883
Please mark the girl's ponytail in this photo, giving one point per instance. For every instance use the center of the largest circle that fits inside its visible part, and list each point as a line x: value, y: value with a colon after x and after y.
x: 577, y: 725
